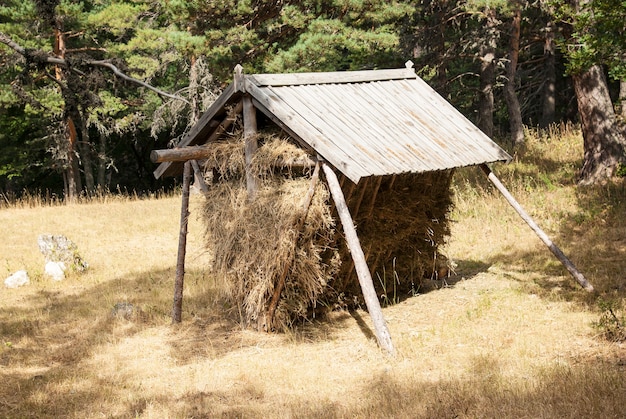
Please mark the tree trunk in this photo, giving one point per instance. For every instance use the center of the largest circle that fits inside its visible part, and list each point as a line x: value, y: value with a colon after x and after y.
x: 622, y: 100
x: 548, y: 114
x: 487, y: 76
x: 194, y: 93
x: 512, y: 103
x: 604, y: 144
x: 101, y: 170
x: 74, y: 184
x: 86, y: 156
x: 73, y: 171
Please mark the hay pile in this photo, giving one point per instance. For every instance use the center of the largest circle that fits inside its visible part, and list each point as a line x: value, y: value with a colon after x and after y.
x: 254, y: 242
x: 401, y: 221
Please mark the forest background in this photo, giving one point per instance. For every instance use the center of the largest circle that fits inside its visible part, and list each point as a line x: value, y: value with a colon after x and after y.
x: 88, y: 89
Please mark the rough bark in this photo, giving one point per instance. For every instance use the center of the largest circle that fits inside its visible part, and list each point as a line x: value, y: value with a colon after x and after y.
x: 604, y: 144
x: 73, y: 171
x: 548, y: 114
x: 86, y: 156
x: 622, y: 100
x: 487, y: 76
x: 512, y: 103
x: 177, y: 307
x: 72, y: 174
x: 101, y: 170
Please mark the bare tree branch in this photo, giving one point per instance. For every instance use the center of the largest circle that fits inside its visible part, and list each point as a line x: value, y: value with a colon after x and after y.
x: 45, y: 58
x: 121, y: 75
x: 11, y: 44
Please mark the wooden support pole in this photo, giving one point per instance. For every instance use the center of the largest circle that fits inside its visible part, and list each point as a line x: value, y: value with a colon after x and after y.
x: 357, y: 206
x: 370, y: 211
x: 182, y: 247
x: 542, y: 235
x: 221, y: 128
x: 200, y: 152
x: 251, y: 144
x: 363, y: 273
x: 198, y: 177
x: 306, y: 204
x: 180, y: 154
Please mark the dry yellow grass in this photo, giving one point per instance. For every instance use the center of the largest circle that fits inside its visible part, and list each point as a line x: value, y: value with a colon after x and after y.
x: 512, y: 335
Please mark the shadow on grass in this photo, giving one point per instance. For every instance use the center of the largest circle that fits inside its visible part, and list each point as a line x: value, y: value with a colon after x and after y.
x: 593, y: 238
x: 48, y: 337
x: 591, y: 390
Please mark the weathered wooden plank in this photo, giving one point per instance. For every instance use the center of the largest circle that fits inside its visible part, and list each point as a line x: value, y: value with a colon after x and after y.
x: 313, y: 106
x: 333, y: 121
x: 272, y: 104
x: 370, y: 138
x: 370, y: 116
x: 430, y: 112
x: 226, y: 122
x: 201, y: 128
x: 410, y: 126
x: 365, y: 278
x: 294, y: 79
x: 533, y: 225
x: 202, y: 152
x: 476, y: 142
x: 370, y: 123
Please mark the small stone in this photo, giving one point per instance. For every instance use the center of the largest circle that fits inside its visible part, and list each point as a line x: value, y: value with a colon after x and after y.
x: 55, y: 270
x: 18, y: 279
x: 58, y: 248
x: 122, y: 310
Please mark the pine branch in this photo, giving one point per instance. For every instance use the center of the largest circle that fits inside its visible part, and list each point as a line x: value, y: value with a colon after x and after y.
x: 126, y: 77
x: 41, y: 57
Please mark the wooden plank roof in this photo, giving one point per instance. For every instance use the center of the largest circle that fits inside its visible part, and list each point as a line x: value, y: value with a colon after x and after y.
x: 364, y: 123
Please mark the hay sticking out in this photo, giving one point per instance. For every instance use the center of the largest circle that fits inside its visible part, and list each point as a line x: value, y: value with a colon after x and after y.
x: 253, y: 242
x: 401, y: 232
x: 401, y: 222
x: 274, y: 155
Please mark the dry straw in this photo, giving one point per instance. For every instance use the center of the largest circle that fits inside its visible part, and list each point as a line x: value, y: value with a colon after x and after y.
x: 401, y: 221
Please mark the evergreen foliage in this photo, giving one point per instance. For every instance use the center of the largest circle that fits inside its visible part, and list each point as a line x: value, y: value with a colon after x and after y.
x: 189, y: 49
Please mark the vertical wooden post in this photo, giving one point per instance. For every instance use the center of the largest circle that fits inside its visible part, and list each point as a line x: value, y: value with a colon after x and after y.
x: 182, y: 247
x: 363, y: 273
x: 251, y: 145
x: 542, y: 235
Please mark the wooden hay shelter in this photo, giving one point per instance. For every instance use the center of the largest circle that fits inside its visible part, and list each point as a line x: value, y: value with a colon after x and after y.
x: 386, y: 144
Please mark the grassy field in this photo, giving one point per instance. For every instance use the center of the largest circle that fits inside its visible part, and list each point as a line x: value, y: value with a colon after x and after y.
x: 512, y: 335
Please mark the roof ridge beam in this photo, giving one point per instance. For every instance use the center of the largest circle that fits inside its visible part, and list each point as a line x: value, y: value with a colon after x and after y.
x: 294, y: 79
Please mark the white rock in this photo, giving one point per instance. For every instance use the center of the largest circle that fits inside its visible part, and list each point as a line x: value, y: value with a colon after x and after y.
x: 17, y: 280
x: 55, y: 270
